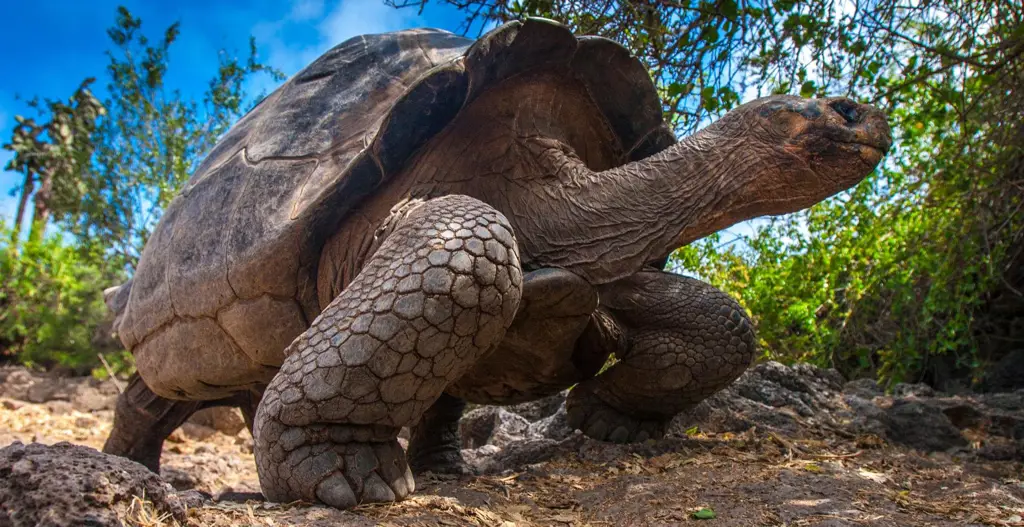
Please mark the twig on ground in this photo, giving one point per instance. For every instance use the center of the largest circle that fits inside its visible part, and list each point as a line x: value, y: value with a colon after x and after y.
x: 837, y: 456
x: 110, y: 373
x: 789, y: 446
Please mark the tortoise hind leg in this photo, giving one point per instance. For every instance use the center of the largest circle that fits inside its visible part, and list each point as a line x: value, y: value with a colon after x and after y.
x: 434, y: 443
x: 143, y: 420
x: 248, y: 402
x: 685, y: 340
x: 437, y: 295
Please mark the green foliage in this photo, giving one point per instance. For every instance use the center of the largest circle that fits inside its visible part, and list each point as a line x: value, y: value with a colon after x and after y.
x: 52, y: 155
x: 704, y: 513
x: 52, y: 304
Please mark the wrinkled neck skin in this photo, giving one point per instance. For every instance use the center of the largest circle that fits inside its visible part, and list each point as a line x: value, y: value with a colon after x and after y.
x: 606, y: 225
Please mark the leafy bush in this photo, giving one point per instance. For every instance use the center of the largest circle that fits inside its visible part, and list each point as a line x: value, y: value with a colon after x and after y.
x: 51, y: 305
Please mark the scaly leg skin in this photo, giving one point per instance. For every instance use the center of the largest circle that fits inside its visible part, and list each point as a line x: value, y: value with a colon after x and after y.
x: 437, y: 295
x: 685, y: 340
x: 434, y: 444
x: 534, y: 359
x: 538, y: 356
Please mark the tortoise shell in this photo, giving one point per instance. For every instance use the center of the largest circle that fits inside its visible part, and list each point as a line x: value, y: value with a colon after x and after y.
x: 228, y: 277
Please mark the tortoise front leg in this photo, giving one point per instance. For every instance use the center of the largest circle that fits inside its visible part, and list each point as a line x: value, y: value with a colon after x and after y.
x: 535, y: 359
x: 685, y: 340
x: 438, y: 294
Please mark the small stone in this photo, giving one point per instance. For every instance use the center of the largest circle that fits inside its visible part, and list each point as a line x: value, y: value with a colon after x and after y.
x: 58, y: 407
x: 197, y: 432
x: 866, y: 388
x: 539, y: 409
x: 491, y: 425
x: 555, y: 426
x: 47, y: 389
x: 90, y: 399
x: 85, y: 422
x: 179, y: 479
x: 913, y: 390
x: 922, y: 426
x: 223, y: 419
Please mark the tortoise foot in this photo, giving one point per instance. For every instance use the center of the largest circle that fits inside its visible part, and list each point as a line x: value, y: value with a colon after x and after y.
x: 599, y: 420
x: 327, y: 464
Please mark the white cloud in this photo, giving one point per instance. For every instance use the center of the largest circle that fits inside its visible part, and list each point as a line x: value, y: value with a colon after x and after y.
x: 333, y: 23
x: 307, y: 10
x: 359, y: 17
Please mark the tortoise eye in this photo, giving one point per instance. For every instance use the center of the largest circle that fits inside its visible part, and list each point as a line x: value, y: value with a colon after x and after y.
x: 845, y: 108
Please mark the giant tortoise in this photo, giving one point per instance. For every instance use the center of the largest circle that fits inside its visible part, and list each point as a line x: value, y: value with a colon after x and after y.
x: 416, y: 220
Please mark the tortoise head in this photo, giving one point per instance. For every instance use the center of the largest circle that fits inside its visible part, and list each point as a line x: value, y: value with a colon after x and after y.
x: 800, y: 151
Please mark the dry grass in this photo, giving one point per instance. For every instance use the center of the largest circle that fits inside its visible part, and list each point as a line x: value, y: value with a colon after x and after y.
x: 141, y: 512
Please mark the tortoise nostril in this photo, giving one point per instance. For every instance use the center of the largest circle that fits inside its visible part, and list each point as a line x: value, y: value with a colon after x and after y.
x: 846, y: 108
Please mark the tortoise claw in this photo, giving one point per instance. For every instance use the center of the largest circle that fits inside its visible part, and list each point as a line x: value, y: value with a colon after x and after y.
x: 317, y: 463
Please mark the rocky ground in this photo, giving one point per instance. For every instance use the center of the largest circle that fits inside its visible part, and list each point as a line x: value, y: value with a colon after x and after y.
x: 782, y: 446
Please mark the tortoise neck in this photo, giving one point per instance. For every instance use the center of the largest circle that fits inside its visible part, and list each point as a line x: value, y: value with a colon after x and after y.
x: 693, y: 188
x: 607, y: 225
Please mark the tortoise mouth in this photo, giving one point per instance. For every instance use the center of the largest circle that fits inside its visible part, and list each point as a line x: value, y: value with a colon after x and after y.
x: 869, y: 152
x: 880, y: 142
x: 871, y: 155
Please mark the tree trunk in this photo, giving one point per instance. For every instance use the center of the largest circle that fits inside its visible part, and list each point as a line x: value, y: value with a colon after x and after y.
x: 26, y: 189
x: 42, y: 213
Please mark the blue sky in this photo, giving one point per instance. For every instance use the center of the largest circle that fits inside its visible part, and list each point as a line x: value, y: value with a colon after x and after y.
x: 48, y: 47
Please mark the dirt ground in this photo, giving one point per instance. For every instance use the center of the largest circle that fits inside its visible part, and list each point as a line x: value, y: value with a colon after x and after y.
x: 753, y: 478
